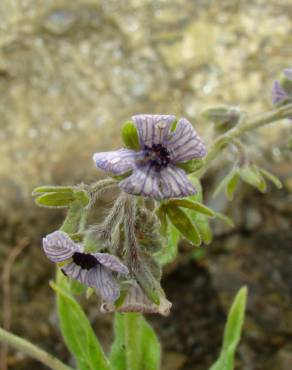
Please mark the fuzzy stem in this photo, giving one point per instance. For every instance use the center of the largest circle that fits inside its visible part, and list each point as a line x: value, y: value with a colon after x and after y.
x: 132, y: 250
x: 246, y: 125
x: 133, y: 343
x: 30, y: 349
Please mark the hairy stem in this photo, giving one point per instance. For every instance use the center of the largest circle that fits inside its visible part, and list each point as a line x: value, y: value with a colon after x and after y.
x: 246, y: 125
x: 132, y: 322
x: 31, y: 350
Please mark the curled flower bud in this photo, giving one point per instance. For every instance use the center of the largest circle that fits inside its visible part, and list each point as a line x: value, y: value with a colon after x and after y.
x: 164, y: 143
x: 91, y: 269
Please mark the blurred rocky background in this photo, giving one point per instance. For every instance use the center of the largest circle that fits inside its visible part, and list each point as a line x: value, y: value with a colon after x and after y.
x: 71, y: 72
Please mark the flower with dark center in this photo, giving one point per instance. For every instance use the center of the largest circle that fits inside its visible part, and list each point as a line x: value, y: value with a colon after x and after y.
x: 280, y: 95
x: 164, y: 144
x: 92, y: 269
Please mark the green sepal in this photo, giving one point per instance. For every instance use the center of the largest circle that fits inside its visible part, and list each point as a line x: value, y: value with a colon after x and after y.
x: 268, y: 175
x: 251, y: 176
x: 183, y: 223
x: 57, y: 200
x: 123, y: 176
x: 53, y: 189
x: 130, y: 136
x: 60, y: 197
x: 149, y: 284
x: 193, y: 205
x: 191, y: 166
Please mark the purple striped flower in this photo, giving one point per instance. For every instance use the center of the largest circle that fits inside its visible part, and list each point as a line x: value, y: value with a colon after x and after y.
x: 91, y: 269
x: 164, y: 144
x: 279, y: 95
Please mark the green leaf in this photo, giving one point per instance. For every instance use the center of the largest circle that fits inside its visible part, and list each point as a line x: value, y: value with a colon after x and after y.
x: 77, y: 331
x: 268, y: 175
x: 227, y: 220
x: 130, y: 136
x: 53, y: 189
x: 224, y: 182
x: 135, y: 345
x: 55, y: 199
x: 118, y: 349
x: 251, y: 176
x: 182, y: 222
x: 169, y: 253
x: 231, y: 185
x: 232, y: 332
x: 205, y: 230
x: 193, y: 205
x: 151, y: 350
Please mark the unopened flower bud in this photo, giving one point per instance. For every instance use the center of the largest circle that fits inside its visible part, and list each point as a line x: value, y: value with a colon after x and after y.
x: 225, y: 117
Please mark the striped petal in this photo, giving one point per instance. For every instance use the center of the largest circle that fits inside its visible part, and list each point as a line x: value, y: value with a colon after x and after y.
x: 111, y: 262
x: 185, y: 144
x: 137, y: 301
x: 278, y: 94
x: 153, y: 128
x: 59, y: 247
x: 175, y: 184
x: 97, y: 277
x: 145, y: 181
x: 117, y: 162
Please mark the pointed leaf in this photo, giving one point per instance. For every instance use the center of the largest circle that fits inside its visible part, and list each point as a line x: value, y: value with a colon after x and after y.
x: 118, y: 349
x: 151, y: 350
x: 53, y: 189
x: 231, y: 185
x: 252, y: 177
x: 182, y: 222
x: 223, y: 183
x: 195, y: 206
x: 227, y: 220
x: 268, y: 175
x: 77, y: 331
x: 232, y: 332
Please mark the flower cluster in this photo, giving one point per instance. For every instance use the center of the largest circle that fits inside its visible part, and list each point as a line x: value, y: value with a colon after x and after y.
x: 128, y: 277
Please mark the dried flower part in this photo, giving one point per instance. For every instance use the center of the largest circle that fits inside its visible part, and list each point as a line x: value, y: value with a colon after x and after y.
x: 91, y: 269
x: 137, y: 301
x: 164, y: 143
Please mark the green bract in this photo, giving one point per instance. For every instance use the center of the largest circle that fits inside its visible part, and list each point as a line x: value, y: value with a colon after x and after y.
x: 130, y: 136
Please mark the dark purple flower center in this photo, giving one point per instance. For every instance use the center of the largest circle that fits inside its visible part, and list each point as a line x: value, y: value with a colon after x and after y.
x: 157, y: 155
x: 84, y: 260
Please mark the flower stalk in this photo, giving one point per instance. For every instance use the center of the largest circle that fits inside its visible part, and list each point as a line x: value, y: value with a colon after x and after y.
x: 243, y: 127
